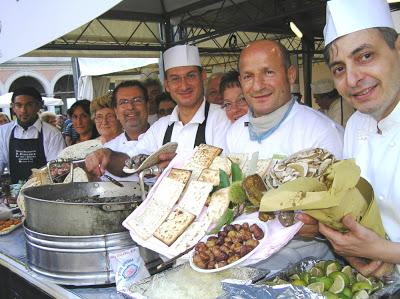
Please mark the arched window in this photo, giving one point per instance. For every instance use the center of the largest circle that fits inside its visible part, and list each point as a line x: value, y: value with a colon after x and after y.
x: 64, y: 87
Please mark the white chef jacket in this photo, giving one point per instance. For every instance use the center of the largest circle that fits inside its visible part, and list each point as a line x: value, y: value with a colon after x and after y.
x: 185, y: 135
x: 339, y: 111
x: 53, y: 141
x: 303, y: 128
x: 378, y: 156
x: 121, y: 144
x: 152, y: 118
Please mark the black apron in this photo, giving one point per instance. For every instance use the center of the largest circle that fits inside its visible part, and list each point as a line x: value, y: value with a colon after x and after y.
x: 25, y: 154
x: 201, y: 129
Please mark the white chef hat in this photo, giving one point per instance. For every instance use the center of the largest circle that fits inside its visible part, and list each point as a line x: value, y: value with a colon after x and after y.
x: 347, y: 16
x: 181, y: 55
x: 322, y: 86
x: 295, y: 88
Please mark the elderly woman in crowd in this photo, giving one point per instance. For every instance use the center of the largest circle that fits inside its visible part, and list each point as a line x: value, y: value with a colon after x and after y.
x: 104, y: 118
x: 82, y: 121
x: 49, y: 117
x: 235, y: 104
x: 4, y: 118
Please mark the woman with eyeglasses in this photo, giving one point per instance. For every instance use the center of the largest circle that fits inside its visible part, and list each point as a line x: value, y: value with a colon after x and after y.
x: 235, y: 104
x: 105, y: 118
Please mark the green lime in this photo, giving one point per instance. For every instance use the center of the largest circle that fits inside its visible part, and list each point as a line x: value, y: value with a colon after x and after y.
x: 361, y: 285
x: 295, y: 276
x: 338, y: 285
x: 349, y: 272
x: 321, y: 265
x: 361, y: 295
x: 347, y: 292
x: 332, y: 266
x: 377, y: 285
x: 329, y: 295
x: 327, y: 281
x: 305, y: 276
x: 316, y: 272
x: 360, y: 277
x: 317, y: 287
x: 298, y: 282
x: 335, y: 274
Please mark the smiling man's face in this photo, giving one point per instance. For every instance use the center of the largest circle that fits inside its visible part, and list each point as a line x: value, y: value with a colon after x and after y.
x: 366, y: 71
x: 265, y: 81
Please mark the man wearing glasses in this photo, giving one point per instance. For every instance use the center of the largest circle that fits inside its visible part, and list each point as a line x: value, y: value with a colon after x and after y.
x: 192, y: 122
x: 28, y: 142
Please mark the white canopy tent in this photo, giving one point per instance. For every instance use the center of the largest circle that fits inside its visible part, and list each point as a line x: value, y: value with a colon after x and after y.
x: 90, y: 87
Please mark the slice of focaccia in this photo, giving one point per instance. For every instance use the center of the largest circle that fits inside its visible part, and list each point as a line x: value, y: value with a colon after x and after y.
x: 168, y: 192
x: 195, y: 197
x: 181, y: 175
x: 210, y: 176
x: 222, y: 163
x: 192, y: 235
x: 175, y: 224
x: 218, y: 205
x: 146, y: 223
x: 205, y: 154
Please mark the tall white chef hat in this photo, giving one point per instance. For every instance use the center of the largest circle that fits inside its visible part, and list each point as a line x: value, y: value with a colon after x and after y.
x: 322, y: 86
x: 295, y: 88
x: 181, y: 55
x: 347, y: 16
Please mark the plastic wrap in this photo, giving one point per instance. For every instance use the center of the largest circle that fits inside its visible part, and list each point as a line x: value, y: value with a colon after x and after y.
x: 243, y: 290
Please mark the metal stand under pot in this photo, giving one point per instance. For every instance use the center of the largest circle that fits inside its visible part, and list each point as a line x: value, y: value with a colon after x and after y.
x: 72, y: 228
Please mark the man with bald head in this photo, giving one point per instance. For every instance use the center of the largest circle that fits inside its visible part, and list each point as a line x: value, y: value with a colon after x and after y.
x: 277, y: 125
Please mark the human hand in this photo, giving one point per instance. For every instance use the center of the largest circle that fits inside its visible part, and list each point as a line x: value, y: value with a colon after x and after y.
x: 373, y: 268
x: 358, y: 241
x: 310, y: 227
x: 97, y: 161
x: 165, y: 159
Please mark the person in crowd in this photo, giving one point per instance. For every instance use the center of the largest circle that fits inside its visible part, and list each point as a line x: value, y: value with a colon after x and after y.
x: 194, y: 121
x: 105, y: 119
x: 235, y: 104
x: 295, y: 91
x: 27, y: 142
x: 49, y: 117
x: 60, y: 120
x: 213, y: 94
x: 82, y: 122
x: 362, y: 50
x: 4, y: 118
x: 277, y: 124
x: 165, y: 104
x: 129, y: 100
x: 330, y: 102
x: 154, y: 88
x: 69, y: 133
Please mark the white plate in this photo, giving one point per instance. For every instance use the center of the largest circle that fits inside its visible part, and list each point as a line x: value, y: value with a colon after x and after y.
x: 260, y: 224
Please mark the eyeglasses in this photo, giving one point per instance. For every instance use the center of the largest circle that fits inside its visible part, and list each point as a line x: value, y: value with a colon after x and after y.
x: 241, y: 102
x: 100, y: 118
x: 189, y: 78
x: 135, y: 101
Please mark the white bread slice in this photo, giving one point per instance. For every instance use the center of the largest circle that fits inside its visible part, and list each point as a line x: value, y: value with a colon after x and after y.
x: 175, y: 224
x: 218, y: 205
x: 145, y: 224
x: 192, y: 235
x: 181, y: 175
x: 205, y: 154
x: 195, y: 197
x: 210, y: 176
x: 262, y: 167
x: 222, y: 163
x: 168, y: 192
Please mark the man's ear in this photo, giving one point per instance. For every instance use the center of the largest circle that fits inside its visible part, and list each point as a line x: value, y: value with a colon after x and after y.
x: 292, y: 74
x: 166, y: 85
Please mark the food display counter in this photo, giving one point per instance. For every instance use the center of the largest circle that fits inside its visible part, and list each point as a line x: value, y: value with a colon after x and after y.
x: 17, y: 281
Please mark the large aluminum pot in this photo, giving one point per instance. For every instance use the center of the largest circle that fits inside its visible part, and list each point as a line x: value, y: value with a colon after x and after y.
x: 80, y: 209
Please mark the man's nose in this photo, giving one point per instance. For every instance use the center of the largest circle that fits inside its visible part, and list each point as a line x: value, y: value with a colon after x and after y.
x: 353, y: 76
x: 259, y: 82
